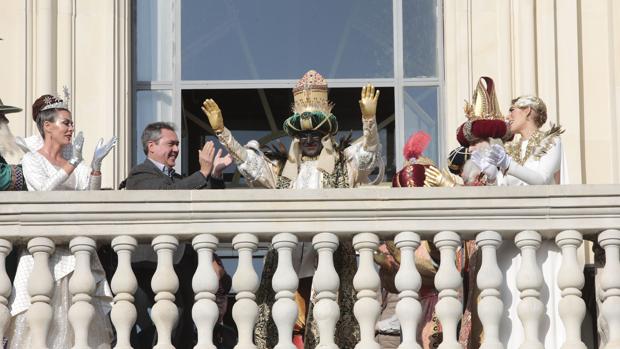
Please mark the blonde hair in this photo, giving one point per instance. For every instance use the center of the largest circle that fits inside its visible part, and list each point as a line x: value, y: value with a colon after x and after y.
x: 537, y: 105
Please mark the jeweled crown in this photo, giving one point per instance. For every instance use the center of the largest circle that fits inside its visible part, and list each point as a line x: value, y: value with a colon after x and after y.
x: 310, y: 94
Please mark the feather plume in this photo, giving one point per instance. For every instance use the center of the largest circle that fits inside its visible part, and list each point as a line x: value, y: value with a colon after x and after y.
x: 416, y: 144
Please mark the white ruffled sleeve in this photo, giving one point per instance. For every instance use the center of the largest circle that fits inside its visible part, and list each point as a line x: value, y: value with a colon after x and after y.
x: 365, y: 155
x: 36, y: 175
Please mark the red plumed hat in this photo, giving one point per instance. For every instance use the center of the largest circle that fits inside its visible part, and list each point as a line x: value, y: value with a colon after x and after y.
x: 413, y: 174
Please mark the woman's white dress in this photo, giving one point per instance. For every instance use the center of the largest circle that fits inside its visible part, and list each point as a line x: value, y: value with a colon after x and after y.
x: 40, y: 175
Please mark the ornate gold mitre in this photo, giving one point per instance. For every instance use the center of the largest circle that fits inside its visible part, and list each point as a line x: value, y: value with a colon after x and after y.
x: 484, y: 104
x: 310, y: 94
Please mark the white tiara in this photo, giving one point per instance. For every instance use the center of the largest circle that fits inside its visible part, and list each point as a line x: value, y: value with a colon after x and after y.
x: 55, y: 102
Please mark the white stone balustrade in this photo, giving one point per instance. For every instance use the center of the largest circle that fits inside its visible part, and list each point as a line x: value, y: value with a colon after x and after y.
x: 41, y: 289
x: 521, y: 217
x: 165, y: 284
x: 489, y: 281
x: 610, y: 285
x: 447, y: 281
x: 572, y: 308
x: 245, y: 282
x: 325, y: 283
x: 408, y: 282
x: 285, y: 284
x: 124, y: 285
x: 82, y: 287
x: 205, y: 284
x: 5, y: 286
x: 366, y: 282
x: 529, y: 283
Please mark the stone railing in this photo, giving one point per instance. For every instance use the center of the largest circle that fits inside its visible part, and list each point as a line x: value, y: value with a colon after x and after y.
x: 526, y: 217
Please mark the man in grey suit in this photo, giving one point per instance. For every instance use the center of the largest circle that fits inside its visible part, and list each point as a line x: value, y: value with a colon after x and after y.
x: 161, y: 147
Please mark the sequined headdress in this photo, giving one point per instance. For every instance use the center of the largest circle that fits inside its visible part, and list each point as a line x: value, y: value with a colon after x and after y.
x: 311, y: 108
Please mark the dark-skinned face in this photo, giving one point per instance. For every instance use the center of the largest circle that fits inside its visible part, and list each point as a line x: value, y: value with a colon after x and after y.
x: 310, y: 142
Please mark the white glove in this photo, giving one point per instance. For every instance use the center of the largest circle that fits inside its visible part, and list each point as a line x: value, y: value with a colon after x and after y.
x: 76, y: 154
x: 491, y: 173
x: 484, y: 165
x: 479, y: 159
x: 101, y: 150
x: 498, y: 157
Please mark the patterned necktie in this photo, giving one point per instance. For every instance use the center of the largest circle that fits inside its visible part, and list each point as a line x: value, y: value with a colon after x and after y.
x: 170, y: 172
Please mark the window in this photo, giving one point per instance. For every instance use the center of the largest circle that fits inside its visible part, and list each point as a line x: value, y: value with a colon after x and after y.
x: 247, y: 55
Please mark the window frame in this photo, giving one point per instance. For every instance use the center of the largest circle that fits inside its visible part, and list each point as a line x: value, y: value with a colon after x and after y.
x: 399, y: 82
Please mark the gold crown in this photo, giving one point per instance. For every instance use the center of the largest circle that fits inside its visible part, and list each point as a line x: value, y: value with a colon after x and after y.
x: 310, y: 94
x: 484, y: 104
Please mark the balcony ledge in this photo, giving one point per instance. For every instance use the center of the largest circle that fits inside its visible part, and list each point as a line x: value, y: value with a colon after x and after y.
x: 103, y: 215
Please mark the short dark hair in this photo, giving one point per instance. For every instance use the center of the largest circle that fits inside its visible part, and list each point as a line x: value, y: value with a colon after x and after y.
x: 152, y: 133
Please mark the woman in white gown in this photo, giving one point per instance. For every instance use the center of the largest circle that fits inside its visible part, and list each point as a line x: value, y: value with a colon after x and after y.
x: 533, y: 158
x: 55, y: 163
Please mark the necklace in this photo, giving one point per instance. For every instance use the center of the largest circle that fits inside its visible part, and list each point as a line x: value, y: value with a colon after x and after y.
x: 537, y: 145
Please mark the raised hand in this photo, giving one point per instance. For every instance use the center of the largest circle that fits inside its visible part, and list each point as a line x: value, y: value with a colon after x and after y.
x: 76, y: 154
x: 101, y: 151
x: 205, y: 158
x: 214, y: 114
x: 368, y: 101
x: 220, y: 163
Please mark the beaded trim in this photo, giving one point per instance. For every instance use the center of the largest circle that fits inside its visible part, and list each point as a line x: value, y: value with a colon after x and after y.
x: 537, y: 146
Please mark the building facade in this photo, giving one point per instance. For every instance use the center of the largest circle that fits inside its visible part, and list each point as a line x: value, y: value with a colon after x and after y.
x: 128, y: 63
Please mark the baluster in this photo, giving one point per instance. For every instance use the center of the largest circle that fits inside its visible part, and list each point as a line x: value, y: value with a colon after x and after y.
x: 124, y: 286
x: 285, y: 284
x: 610, y: 285
x: 5, y: 286
x: 366, y: 282
x: 325, y: 283
x: 82, y: 287
x: 572, y: 308
x: 40, y: 289
x: 489, y: 280
x: 408, y: 282
x: 165, y: 284
x: 447, y: 281
x: 529, y: 283
x: 205, y: 284
x: 245, y: 282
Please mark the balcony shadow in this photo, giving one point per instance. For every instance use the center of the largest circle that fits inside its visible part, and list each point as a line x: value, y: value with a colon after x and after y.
x: 509, y: 261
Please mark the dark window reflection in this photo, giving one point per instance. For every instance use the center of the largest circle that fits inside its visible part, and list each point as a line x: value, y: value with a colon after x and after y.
x: 259, y: 114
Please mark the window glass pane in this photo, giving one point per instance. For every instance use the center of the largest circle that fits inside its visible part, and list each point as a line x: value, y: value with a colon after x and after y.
x: 249, y: 116
x: 282, y: 39
x: 150, y: 106
x: 420, y: 38
x: 154, y: 40
x: 421, y: 114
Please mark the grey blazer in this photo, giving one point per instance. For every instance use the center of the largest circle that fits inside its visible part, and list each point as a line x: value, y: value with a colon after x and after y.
x: 147, y: 176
